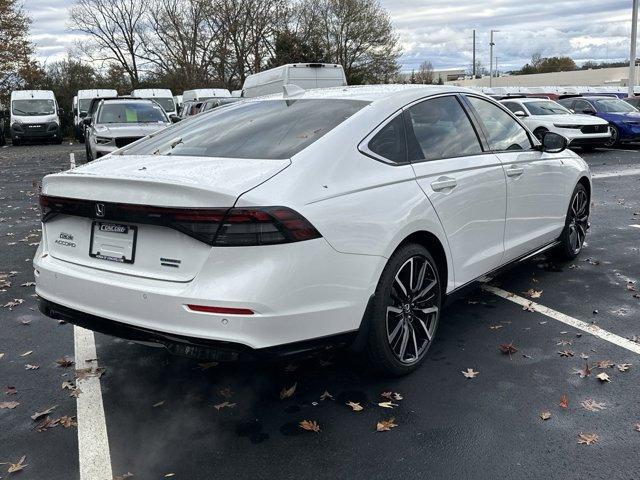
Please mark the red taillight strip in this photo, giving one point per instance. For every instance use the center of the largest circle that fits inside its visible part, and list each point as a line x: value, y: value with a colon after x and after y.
x: 220, y: 310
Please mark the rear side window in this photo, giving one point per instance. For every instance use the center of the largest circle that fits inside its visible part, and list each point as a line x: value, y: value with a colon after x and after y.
x: 390, y: 142
x: 441, y: 129
x: 503, y: 132
x: 267, y: 129
x: 513, y: 106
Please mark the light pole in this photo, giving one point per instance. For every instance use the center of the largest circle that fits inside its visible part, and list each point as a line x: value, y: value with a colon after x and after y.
x: 491, y: 45
x: 632, y: 56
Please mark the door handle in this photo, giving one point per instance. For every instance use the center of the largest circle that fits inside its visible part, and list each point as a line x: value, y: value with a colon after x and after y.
x: 444, y: 183
x: 514, y: 171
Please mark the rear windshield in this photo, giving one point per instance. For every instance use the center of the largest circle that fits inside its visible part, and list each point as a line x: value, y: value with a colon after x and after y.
x: 546, y: 108
x: 131, y: 112
x: 269, y: 129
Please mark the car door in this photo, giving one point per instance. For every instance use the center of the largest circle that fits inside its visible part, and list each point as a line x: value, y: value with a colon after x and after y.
x: 536, y: 183
x: 465, y: 183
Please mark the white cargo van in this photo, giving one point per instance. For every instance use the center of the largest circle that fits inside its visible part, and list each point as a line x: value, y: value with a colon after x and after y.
x: 162, y: 96
x: 34, y: 115
x: 201, y: 94
x: 304, y: 75
x: 81, y: 107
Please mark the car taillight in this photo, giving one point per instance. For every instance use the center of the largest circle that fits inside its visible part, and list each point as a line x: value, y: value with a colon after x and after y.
x: 223, y: 227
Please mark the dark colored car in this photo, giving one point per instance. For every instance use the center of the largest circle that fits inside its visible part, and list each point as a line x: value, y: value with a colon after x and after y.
x: 633, y: 101
x: 623, y: 118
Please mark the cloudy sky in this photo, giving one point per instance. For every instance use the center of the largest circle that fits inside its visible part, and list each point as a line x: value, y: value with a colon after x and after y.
x: 441, y: 30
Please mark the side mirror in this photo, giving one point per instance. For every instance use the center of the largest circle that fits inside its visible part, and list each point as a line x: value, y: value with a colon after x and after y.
x: 572, y: 110
x: 554, y: 143
x: 174, y: 118
x: 83, y: 114
x: 589, y: 111
x: 60, y: 112
x: 87, y: 121
x: 520, y: 114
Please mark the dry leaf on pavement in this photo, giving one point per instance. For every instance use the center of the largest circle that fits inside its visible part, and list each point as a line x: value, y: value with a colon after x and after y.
x: 288, y: 392
x: 11, y: 390
x: 564, y: 402
x: 16, y: 467
x: 495, y: 327
x: 604, y: 364
x: 529, y: 307
x: 392, y: 396
x: 387, y: 404
x: 534, y: 293
x: 603, y: 377
x: 38, y: 415
x: 637, y: 427
x: 545, y: 415
x: 9, y: 405
x: 64, y: 362
x: 470, y: 373
x: 224, y: 405
x: 159, y: 404
x: 507, y: 348
x: 565, y: 353
x: 84, y: 373
x: 46, y: 424
x: 68, y: 422
x: 583, y: 372
x: 355, y: 406
x: 386, y: 425
x: 624, y: 367
x: 588, y: 438
x: 28, y: 366
x: 28, y: 352
x: 326, y: 395
x: 310, y: 425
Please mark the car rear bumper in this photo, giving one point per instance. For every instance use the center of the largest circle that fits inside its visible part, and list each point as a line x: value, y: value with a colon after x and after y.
x: 300, y: 291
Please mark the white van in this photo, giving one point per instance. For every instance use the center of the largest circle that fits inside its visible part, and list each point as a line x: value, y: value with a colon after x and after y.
x: 304, y: 75
x: 178, y: 101
x: 201, y: 94
x: 81, y: 106
x: 162, y: 96
x: 34, y: 115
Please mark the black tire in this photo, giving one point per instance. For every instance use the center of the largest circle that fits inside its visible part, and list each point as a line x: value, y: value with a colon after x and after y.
x: 3, y: 141
x: 15, y: 142
x: 576, y: 224
x: 588, y: 148
x: 399, y: 316
x: 614, y: 141
x: 539, y: 132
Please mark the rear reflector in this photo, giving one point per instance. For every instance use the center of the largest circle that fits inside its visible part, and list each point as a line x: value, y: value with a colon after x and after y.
x: 221, y: 227
x: 220, y: 310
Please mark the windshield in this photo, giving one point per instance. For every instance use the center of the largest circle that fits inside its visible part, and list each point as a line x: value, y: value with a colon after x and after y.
x: 270, y: 129
x: 546, y: 108
x: 612, y: 105
x: 166, y: 103
x: 33, y: 107
x: 83, y: 104
x: 131, y: 112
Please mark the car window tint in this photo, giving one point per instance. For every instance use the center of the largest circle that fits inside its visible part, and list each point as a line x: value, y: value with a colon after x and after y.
x: 440, y: 129
x: 580, y: 105
x: 390, y: 141
x: 514, y: 107
x: 503, y: 132
x: 264, y: 129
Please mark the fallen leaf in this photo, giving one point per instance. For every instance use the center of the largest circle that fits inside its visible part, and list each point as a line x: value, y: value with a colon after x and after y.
x: 124, y: 476
x: 564, y: 402
x: 583, y: 372
x: 392, y: 396
x: 355, y: 406
x: 14, y: 303
x: 624, y: 367
x: 16, y: 467
x: 507, y: 348
x: 387, y: 404
x: 159, y: 404
x: 310, y: 425
x: 564, y: 342
x: 75, y: 392
x: 28, y: 284
x: 534, y: 293
x: 64, y: 362
x: 68, y: 385
x: 288, y: 392
x: 545, y: 415
x: 9, y: 405
x: 470, y: 373
x: 495, y: 327
x: 226, y: 392
x: 41, y: 414
x: 603, y: 377
x: 28, y: 352
x: 46, y: 424
x: 166, y: 475
x: 68, y: 422
x: 91, y: 372
x: 28, y: 366
x: 1, y: 355
x: 386, y: 425
x: 566, y: 353
x: 587, y: 438
x: 224, y: 405
x: 637, y: 427
x: 529, y: 307
x: 326, y: 395
x: 592, y: 405
x: 10, y: 390
x: 604, y: 364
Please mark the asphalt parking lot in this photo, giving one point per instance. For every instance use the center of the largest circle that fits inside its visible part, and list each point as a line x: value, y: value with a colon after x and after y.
x: 166, y: 417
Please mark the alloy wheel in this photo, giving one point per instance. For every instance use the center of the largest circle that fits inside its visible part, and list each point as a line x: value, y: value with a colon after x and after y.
x: 413, y: 309
x: 614, y: 137
x: 578, y: 220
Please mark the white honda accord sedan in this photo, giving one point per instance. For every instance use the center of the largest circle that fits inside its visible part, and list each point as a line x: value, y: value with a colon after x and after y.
x: 295, y: 222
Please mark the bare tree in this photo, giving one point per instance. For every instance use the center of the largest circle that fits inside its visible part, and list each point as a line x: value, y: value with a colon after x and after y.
x: 15, y: 47
x: 115, y: 28
x: 425, y: 73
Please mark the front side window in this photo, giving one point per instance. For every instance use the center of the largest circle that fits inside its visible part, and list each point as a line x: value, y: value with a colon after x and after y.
x: 166, y: 103
x: 503, y: 132
x: 390, y: 142
x: 83, y: 105
x: 440, y: 129
x: 267, y: 129
x: 131, y: 112
x: 33, y: 107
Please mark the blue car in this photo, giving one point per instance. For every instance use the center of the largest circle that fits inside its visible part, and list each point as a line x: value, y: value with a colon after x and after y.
x: 623, y: 118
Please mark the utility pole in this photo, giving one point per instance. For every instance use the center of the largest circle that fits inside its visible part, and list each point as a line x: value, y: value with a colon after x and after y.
x: 632, y: 56
x: 474, y: 55
x: 491, y: 45
x: 497, y: 71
